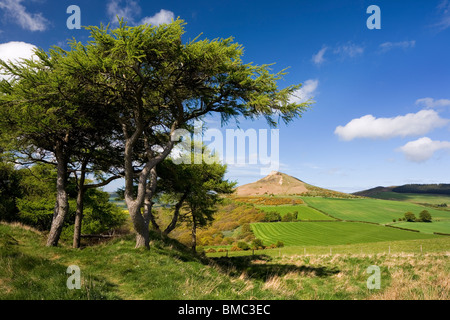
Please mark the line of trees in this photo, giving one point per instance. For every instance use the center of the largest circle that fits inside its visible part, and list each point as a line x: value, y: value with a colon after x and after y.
x: 111, y: 107
x: 424, y: 216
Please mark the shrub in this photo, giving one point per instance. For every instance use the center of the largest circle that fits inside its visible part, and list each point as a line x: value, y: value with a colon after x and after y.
x: 200, y: 249
x: 243, y: 245
x: 279, y: 244
x: 272, y: 216
x: 227, y: 241
x: 211, y: 250
x: 257, y: 243
x: 288, y: 217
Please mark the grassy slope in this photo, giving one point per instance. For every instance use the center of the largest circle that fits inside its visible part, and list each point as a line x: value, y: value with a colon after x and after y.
x: 29, y: 270
x: 115, y: 270
x: 427, y: 227
x: 329, y: 233
x: 371, y: 210
x: 413, y: 197
x: 304, y: 212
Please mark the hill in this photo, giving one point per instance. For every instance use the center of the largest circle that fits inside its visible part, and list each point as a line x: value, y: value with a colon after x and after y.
x: 281, y: 184
x: 371, y: 193
x: 443, y: 189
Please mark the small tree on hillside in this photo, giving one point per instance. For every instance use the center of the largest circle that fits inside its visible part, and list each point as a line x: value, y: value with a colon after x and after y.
x: 425, y: 216
x: 410, y: 217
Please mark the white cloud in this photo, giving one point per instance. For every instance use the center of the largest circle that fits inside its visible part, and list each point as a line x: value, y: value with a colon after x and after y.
x: 16, y: 12
x: 412, y: 124
x: 386, y: 46
x: 14, y: 51
x: 162, y: 17
x: 423, y: 149
x: 350, y: 50
x: 305, y: 92
x: 318, y: 57
x: 431, y: 103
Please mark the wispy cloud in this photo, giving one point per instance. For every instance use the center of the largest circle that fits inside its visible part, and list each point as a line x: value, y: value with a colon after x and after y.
x: 431, y: 103
x: 343, y: 51
x: 444, y: 15
x: 318, y: 58
x: 130, y: 11
x: 350, y: 50
x: 306, y: 92
x: 386, y: 46
x: 423, y: 149
x: 412, y: 124
x: 127, y: 9
x: 16, y: 12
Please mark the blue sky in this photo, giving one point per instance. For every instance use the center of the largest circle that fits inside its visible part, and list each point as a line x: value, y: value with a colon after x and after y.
x: 382, y: 111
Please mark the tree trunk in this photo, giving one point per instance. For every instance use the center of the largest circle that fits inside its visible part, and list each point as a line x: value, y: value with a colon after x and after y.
x: 148, y: 203
x: 80, y: 207
x: 176, y: 214
x: 62, y: 206
x: 134, y: 204
x: 141, y: 226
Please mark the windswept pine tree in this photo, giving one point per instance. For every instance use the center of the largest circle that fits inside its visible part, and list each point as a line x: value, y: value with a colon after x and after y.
x: 132, y: 87
x: 153, y: 83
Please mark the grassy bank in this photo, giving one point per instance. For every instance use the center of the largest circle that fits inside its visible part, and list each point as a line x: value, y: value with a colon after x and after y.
x: 115, y: 270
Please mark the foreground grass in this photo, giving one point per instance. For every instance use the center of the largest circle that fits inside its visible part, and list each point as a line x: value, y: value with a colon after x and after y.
x: 115, y: 270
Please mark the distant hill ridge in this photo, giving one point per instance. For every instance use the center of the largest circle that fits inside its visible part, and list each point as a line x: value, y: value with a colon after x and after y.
x: 278, y: 183
x: 408, y: 188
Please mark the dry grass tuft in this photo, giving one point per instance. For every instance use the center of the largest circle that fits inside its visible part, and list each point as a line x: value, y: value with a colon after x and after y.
x: 22, y: 226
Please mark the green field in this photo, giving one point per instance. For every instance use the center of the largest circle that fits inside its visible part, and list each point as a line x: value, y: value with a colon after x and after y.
x: 329, y: 233
x: 371, y: 210
x: 414, y: 197
x: 427, y: 227
x: 304, y: 212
